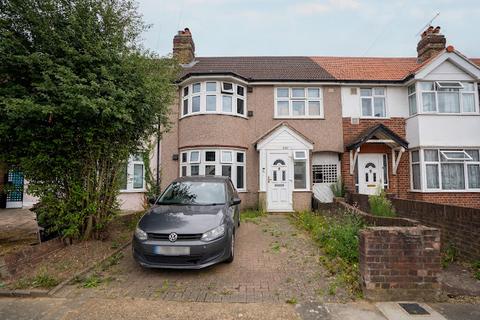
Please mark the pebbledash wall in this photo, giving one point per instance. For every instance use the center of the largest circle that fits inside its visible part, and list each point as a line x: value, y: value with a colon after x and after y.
x: 233, y: 132
x: 460, y: 226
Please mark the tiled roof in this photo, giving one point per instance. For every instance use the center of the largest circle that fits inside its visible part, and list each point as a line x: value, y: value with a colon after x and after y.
x: 307, y: 68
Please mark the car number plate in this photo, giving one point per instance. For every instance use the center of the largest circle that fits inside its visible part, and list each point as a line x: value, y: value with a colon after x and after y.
x: 172, y: 250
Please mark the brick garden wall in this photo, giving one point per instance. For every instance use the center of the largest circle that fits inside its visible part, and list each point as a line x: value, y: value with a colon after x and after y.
x: 460, y: 226
x: 399, y: 184
x: 400, y: 263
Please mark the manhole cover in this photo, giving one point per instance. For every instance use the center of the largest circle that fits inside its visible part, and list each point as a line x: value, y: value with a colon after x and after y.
x: 413, y: 308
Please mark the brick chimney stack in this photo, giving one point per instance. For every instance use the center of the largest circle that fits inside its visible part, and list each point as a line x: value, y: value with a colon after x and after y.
x: 183, y: 46
x: 432, y: 42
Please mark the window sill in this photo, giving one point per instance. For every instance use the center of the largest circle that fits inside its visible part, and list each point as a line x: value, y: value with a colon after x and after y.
x: 299, y: 118
x: 470, y: 114
x: 133, y: 191
x: 214, y: 114
x: 446, y: 191
x: 374, y: 118
x: 301, y: 190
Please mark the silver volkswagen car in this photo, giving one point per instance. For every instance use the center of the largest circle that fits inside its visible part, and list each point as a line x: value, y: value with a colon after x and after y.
x: 192, y: 225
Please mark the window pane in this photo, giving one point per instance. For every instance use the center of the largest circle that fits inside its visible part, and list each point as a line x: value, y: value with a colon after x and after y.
x: 240, y: 156
x: 453, y: 176
x: 227, y: 156
x: 240, y: 106
x: 468, y: 102
x: 432, y: 176
x: 184, y: 171
x: 314, y: 108
x: 282, y: 92
x: 468, y: 86
x: 365, y: 92
x: 411, y: 89
x: 240, y: 90
x: 313, y: 93
x: 474, y: 176
x: 415, y: 156
x: 185, y: 106
x: 428, y: 99
x: 210, y: 156
x: 196, y: 104
x: 196, y: 87
x: 367, y: 107
x: 298, y: 108
x: 227, y: 86
x: 185, y: 91
x: 379, y: 107
x: 194, y: 156
x: 138, y: 176
x: 282, y: 108
x: 474, y: 154
x: 448, y: 102
x: 227, y: 171
x: 379, y: 91
x: 298, y: 92
x: 416, y: 176
x: 211, y: 103
x: 194, y: 170
x: 209, y: 170
x: 412, y: 104
x: 211, y: 86
x: 431, y: 155
x: 299, y: 175
x: 427, y: 86
x: 227, y: 104
x: 240, y: 178
x: 184, y: 157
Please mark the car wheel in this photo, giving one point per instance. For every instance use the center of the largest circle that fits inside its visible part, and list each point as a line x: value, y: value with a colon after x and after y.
x: 232, y: 249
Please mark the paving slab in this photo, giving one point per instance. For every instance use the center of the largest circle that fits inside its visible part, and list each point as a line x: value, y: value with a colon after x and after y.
x: 458, y: 311
x: 393, y: 311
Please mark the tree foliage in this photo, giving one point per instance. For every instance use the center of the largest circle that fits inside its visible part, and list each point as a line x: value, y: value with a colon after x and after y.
x: 78, y: 94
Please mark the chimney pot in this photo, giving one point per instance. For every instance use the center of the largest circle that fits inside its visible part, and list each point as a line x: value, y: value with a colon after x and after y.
x: 431, y: 42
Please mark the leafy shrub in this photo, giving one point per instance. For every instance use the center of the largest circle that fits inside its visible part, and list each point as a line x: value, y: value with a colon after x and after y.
x: 338, y: 189
x: 381, y: 206
x: 449, y: 255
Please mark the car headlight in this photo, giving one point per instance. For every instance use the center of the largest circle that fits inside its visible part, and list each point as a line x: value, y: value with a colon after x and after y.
x: 214, y: 233
x: 140, y: 234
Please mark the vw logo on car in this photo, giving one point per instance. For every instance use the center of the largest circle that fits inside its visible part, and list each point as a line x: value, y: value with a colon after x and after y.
x: 173, y: 237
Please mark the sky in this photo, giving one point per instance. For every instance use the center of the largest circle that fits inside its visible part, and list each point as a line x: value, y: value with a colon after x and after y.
x: 309, y: 27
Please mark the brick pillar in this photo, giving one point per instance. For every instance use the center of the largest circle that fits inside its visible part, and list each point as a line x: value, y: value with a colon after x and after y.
x: 400, y: 263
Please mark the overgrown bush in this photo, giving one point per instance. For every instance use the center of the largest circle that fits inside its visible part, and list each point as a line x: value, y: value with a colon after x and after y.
x: 338, y: 189
x: 381, y: 206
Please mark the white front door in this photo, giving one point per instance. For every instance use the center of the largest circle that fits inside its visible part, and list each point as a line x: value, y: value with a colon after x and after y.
x: 279, y: 191
x: 370, y: 173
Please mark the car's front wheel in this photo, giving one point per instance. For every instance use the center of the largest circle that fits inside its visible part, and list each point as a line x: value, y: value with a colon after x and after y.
x: 232, y: 249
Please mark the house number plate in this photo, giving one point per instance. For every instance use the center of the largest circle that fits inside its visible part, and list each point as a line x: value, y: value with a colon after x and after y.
x: 279, y: 185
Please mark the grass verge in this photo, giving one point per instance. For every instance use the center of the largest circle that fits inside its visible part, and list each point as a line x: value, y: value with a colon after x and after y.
x: 252, y: 216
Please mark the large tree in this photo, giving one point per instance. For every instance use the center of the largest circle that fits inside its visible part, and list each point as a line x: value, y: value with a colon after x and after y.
x: 78, y: 94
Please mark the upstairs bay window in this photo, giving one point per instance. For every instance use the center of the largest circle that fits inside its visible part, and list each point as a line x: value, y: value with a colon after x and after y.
x: 214, y: 97
x: 446, y: 169
x: 298, y: 103
x: 215, y: 162
x: 445, y: 97
x: 373, y: 102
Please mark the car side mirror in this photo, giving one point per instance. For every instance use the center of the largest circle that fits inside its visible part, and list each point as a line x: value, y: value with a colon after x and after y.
x: 235, y: 201
x: 152, y: 200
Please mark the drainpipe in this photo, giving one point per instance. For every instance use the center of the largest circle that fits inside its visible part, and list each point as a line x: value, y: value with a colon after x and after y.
x: 158, y: 159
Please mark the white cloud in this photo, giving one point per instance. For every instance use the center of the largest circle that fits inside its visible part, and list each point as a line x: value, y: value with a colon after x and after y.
x: 313, y: 7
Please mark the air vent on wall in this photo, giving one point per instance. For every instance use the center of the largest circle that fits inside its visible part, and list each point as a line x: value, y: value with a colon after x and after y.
x: 353, y: 91
x: 355, y: 120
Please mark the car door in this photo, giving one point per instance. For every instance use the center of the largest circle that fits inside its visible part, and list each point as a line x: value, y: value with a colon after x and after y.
x: 234, y: 194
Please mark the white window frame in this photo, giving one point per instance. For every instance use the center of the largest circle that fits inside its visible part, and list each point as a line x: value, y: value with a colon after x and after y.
x: 414, y: 94
x: 306, y: 99
x: 468, y: 160
x: 372, y: 98
x: 218, y: 93
x: 437, y: 85
x: 218, y: 163
x: 132, y: 161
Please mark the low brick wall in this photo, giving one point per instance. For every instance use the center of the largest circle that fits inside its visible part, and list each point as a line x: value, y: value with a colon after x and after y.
x: 11, y: 263
x: 400, y: 263
x: 460, y: 226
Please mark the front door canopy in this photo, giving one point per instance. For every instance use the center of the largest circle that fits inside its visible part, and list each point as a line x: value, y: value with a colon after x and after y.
x: 281, y: 137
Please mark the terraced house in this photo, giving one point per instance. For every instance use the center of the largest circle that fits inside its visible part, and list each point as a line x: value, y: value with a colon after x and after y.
x: 285, y: 128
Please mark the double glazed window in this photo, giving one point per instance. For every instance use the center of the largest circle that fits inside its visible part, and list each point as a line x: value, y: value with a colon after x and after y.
x: 214, y: 97
x: 443, y: 97
x: 300, y: 169
x: 446, y: 169
x: 373, y: 102
x: 215, y: 162
x: 298, y: 102
x: 133, y: 174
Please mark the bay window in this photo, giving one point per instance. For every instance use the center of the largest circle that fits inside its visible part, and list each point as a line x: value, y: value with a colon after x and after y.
x: 298, y: 102
x: 216, y: 97
x: 373, y: 102
x: 445, y: 97
x: 412, y: 99
x: 446, y: 169
x: 215, y: 162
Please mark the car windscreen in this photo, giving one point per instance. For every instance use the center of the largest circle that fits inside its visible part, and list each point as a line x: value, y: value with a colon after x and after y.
x: 194, y: 192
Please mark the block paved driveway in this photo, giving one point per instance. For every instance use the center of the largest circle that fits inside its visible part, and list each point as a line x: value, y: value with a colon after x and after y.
x: 274, y: 262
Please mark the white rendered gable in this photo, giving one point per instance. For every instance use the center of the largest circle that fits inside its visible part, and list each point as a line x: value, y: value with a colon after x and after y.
x: 449, y: 66
x: 284, y: 138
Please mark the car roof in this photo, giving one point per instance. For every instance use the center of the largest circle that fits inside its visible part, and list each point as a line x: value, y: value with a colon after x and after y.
x: 202, y: 179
